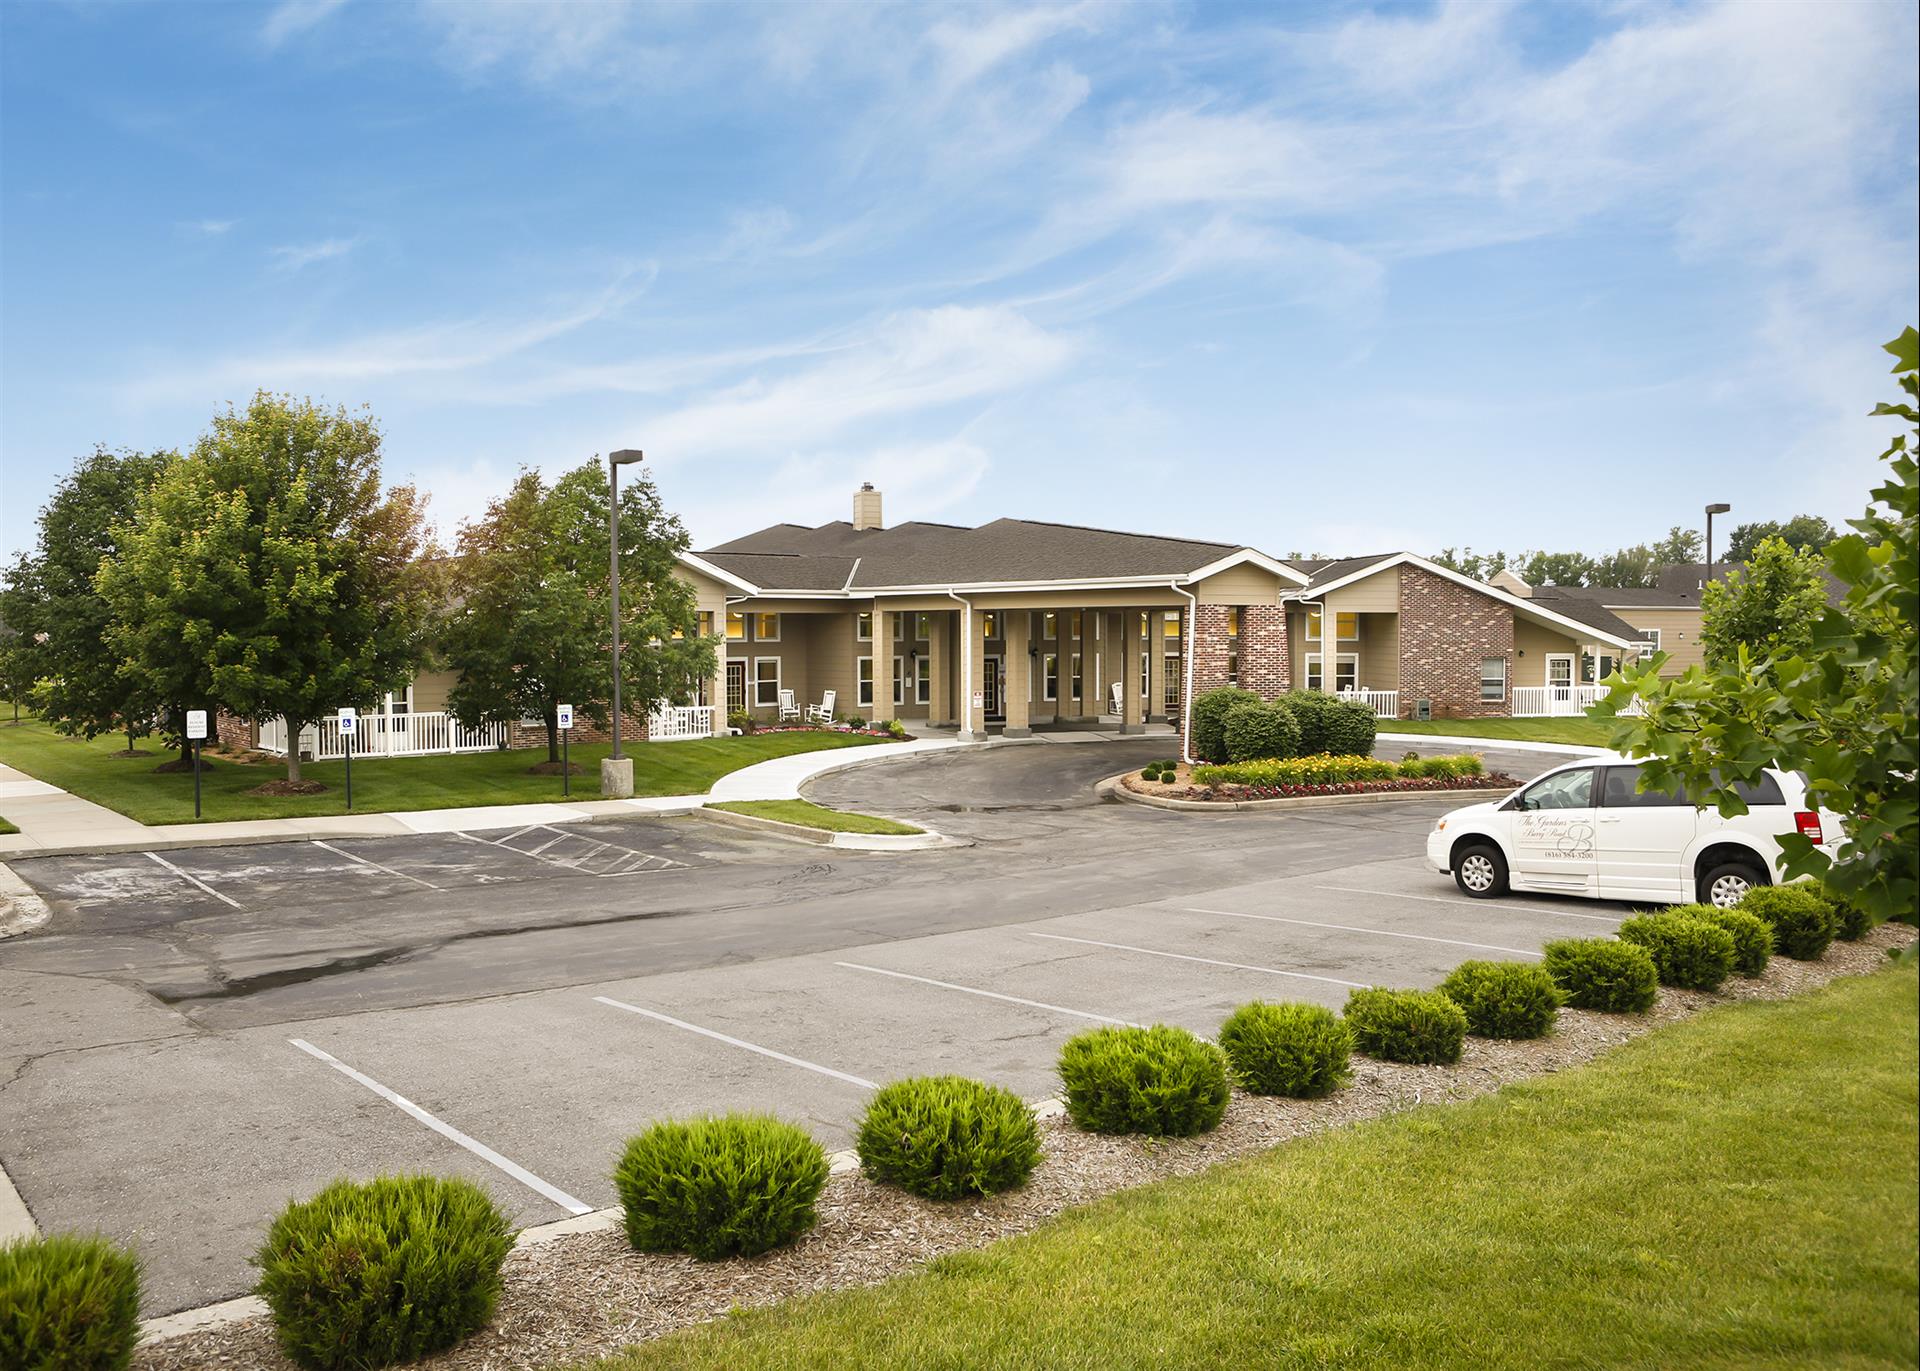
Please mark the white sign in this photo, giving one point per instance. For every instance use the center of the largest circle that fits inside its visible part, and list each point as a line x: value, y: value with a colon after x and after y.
x: 346, y: 718
x: 566, y: 717
x: 979, y: 699
x: 196, y: 725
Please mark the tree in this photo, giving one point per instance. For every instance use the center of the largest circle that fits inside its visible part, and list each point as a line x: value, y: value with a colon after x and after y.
x: 1557, y: 569
x: 532, y: 628
x: 1802, y: 533
x: 1770, y: 605
x: 1637, y: 566
x: 1681, y: 547
x: 1482, y: 566
x: 268, y: 573
x: 1845, y: 710
x: 51, y: 599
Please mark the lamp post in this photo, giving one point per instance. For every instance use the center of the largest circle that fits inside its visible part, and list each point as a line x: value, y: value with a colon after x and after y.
x: 616, y: 772
x: 1711, y: 511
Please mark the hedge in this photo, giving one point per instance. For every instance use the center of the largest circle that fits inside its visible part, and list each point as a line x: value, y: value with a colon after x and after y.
x: 1752, y: 936
x: 1803, y: 922
x: 1160, y: 1080
x: 1298, y: 1050
x: 1419, y: 1026
x: 1252, y: 731
x: 1209, y: 720
x: 1324, y: 769
x: 1690, y: 953
x: 1313, y: 708
x: 1504, y: 999
x: 1603, y: 974
x: 68, y: 1303
x: 385, y: 1271
x: 943, y: 1137
x: 1854, y: 921
x: 735, y: 1185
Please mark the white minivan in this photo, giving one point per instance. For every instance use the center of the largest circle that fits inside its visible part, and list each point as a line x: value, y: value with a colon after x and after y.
x: 1585, y: 829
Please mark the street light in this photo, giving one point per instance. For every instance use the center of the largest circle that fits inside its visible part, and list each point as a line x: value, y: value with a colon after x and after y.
x: 615, y: 460
x: 1711, y: 511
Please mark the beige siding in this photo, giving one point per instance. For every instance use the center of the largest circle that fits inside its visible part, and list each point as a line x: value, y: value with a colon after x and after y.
x: 1376, y: 594
x: 1240, y: 585
x: 430, y: 690
x: 1679, y: 634
x: 1533, y: 643
x: 1380, y: 649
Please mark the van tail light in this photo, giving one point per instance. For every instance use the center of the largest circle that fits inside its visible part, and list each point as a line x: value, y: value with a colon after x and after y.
x: 1809, y: 825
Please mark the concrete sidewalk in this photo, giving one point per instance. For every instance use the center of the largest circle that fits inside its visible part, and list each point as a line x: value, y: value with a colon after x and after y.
x: 55, y: 823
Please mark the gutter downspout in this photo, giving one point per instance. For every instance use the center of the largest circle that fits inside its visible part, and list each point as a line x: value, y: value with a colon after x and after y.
x: 1186, y: 690
x: 966, y: 665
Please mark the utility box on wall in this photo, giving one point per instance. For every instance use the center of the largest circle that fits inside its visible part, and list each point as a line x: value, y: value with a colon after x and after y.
x: 1423, y: 709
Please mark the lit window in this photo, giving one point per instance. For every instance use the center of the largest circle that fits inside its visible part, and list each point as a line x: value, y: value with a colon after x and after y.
x: 766, y: 628
x: 736, y: 626
x: 863, y: 627
x: 1493, y: 678
x: 989, y: 625
x: 922, y: 626
x: 1049, y: 626
x: 766, y: 682
x: 706, y: 623
x: 1233, y: 621
x: 1170, y: 626
x: 1073, y: 628
x: 1144, y: 617
x: 1074, y: 677
x: 1050, y: 675
x: 864, y: 695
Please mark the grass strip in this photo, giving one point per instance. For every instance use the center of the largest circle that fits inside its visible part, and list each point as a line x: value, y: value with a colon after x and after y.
x: 810, y: 815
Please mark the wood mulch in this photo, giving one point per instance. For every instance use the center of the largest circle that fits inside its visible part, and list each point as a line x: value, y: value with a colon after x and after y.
x: 286, y: 787
x: 589, y: 1294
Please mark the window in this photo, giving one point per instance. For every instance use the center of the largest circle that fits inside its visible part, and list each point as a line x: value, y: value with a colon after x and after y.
x: 1619, y: 792
x: 923, y: 680
x: 1562, y: 790
x: 1345, y: 623
x: 1493, y: 678
x: 989, y: 625
x: 1170, y: 626
x: 1171, y: 696
x: 736, y: 626
x: 863, y: 627
x: 1233, y: 621
x: 1146, y: 679
x: 1650, y: 643
x: 736, y: 687
x: 1233, y: 669
x: 1346, y: 671
x: 1316, y: 673
x: 899, y: 628
x: 1073, y: 676
x: 863, y: 693
x: 1073, y: 627
x: 922, y: 627
x: 1146, y: 620
x: 704, y: 623
x: 766, y: 628
x: 1050, y: 675
x: 1597, y: 668
x: 766, y: 682
x: 899, y: 681
x: 1049, y: 626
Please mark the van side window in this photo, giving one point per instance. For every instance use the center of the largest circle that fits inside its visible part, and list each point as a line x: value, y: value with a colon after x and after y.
x: 1765, y: 791
x: 1562, y: 790
x: 1620, y: 791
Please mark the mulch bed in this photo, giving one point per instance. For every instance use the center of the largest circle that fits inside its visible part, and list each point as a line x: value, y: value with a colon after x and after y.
x: 590, y: 1294
x: 556, y: 769
x: 178, y: 766
x: 286, y: 787
x: 1181, y: 787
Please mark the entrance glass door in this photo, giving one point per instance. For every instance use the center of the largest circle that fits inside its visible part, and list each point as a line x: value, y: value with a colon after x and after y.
x: 990, y: 686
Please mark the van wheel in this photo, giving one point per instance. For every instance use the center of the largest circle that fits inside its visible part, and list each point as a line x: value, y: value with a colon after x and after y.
x: 1726, y: 884
x: 1481, y: 872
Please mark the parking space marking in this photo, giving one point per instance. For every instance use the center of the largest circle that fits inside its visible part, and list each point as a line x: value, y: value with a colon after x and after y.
x: 192, y: 879
x: 449, y: 1132
x: 860, y: 1081
x: 648, y: 861
x: 1376, y: 932
x: 368, y: 862
x: 991, y: 994
x: 1209, y: 961
x: 1471, y: 904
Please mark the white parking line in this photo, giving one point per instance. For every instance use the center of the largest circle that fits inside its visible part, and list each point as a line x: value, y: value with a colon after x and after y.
x: 1376, y: 932
x: 365, y: 861
x: 860, y: 1081
x: 647, y: 859
x: 192, y: 879
x: 448, y: 1131
x: 991, y: 994
x: 1482, y: 905
x: 1209, y: 961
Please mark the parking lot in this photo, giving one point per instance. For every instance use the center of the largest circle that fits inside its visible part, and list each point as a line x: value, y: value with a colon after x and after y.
x: 695, y: 972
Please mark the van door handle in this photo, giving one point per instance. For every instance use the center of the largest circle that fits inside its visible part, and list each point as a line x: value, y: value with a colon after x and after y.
x: 1609, y: 818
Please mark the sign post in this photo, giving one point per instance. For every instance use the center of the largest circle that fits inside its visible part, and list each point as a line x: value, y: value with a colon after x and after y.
x: 348, y: 723
x: 196, y: 734
x: 565, y: 713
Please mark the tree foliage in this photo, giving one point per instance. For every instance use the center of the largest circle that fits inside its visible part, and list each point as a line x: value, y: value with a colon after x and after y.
x: 1802, y: 533
x: 1628, y: 567
x: 64, y: 624
x: 1770, y: 605
x: 1842, y: 709
x: 532, y: 628
x: 270, y: 573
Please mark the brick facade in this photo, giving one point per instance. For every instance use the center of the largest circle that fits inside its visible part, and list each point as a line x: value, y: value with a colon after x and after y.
x: 1446, y: 630
x: 1266, y: 658
x: 233, y: 732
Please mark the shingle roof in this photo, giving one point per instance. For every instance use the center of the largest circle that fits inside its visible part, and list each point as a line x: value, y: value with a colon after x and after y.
x: 1574, y: 602
x: 1324, y: 571
x: 793, y: 557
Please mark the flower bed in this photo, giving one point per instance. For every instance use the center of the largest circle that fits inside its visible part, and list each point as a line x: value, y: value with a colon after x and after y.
x: 1289, y: 778
x: 1491, y: 781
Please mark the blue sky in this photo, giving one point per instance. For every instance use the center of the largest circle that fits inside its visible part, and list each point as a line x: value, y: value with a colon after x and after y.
x: 1315, y: 278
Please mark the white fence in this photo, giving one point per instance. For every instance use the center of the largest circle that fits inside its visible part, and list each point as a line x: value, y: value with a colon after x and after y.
x: 1385, y: 704
x: 674, y: 723
x: 1560, y: 701
x: 386, y: 735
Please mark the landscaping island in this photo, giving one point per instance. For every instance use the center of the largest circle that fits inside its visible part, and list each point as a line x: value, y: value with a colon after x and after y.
x: 1277, y: 780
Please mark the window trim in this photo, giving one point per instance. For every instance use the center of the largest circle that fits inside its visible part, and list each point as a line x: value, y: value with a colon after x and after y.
x: 923, y: 680
x: 760, y: 614
x: 863, y: 626
x: 739, y: 616
x: 754, y: 682
x: 1076, y: 675
x: 1049, y: 676
x: 1505, y: 680
x: 741, y: 663
x: 863, y: 682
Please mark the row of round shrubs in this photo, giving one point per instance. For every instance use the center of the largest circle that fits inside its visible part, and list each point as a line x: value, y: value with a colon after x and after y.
x: 1234, y: 725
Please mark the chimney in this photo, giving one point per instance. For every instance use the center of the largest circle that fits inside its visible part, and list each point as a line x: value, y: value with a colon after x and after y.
x: 866, y: 507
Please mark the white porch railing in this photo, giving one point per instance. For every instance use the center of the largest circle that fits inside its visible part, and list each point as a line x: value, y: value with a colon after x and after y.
x: 386, y: 735
x: 1560, y: 701
x: 674, y: 723
x: 1385, y: 704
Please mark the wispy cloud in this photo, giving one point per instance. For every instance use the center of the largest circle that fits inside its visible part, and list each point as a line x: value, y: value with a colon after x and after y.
x: 294, y: 256
x: 210, y: 228
x: 290, y: 18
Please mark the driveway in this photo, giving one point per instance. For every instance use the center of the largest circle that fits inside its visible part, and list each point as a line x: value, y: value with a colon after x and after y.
x: 196, y: 1036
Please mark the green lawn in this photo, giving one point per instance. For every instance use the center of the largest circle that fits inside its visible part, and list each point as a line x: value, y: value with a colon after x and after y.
x: 130, y: 785
x: 1590, y: 732
x: 1734, y: 1191
x: 813, y: 816
x: 6, y: 827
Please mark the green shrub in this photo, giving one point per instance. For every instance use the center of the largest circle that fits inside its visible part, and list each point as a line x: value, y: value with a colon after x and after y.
x: 947, y: 1136
x: 1603, y: 974
x: 1444, y: 768
x: 1419, y: 1026
x: 741, y: 720
x: 1253, y: 732
x: 1351, y: 728
x: 68, y: 1303
x: 381, y: 1272
x: 1313, y: 709
x: 735, y: 1185
x: 1803, y: 922
x: 1144, y: 1080
x: 1853, y: 922
x: 1301, y: 1050
x: 1169, y: 764
x: 1209, y: 720
x: 1504, y: 999
x: 1689, y: 953
x: 1151, y: 773
x: 1752, y: 937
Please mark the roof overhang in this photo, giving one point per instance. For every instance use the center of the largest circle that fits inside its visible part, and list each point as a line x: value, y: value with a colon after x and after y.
x: 726, y: 578
x: 1246, y: 556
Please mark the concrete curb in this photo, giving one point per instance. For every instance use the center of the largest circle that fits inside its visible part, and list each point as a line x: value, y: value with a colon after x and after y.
x: 16, y: 1221
x: 1112, y: 787
x: 820, y: 837
x: 21, y: 909
x: 1496, y: 744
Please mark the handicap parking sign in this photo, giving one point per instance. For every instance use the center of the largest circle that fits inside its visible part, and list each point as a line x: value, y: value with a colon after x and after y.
x: 566, y: 716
